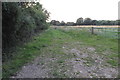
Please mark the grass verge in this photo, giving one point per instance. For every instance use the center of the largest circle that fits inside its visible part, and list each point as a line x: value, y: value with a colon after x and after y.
x: 26, y: 53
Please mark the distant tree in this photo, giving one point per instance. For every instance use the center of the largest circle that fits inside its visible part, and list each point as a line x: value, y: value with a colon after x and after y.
x: 94, y: 22
x: 105, y: 22
x: 57, y: 23
x: 70, y: 23
x: 112, y: 22
x: 87, y: 21
x: 79, y: 21
x: 118, y: 22
x: 115, y: 22
x: 62, y: 23
x: 54, y: 22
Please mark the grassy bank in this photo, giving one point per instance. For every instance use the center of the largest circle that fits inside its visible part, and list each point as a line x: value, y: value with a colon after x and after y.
x: 27, y: 53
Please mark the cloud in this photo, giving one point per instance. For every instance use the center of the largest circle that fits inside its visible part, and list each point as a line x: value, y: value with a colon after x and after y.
x: 70, y: 10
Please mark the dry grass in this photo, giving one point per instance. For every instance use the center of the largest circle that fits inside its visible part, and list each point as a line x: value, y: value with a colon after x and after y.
x: 114, y: 26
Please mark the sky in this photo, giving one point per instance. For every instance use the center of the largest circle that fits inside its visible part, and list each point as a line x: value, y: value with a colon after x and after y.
x: 71, y: 10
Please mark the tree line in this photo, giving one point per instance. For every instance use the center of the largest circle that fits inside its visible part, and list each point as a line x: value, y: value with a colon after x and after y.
x: 20, y: 21
x: 86, y: 21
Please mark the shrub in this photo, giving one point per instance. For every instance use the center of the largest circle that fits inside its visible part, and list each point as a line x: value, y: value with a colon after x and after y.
x: 20, y: 21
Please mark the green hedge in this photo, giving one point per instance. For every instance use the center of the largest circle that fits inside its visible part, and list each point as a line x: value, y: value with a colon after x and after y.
x: 19, y: 22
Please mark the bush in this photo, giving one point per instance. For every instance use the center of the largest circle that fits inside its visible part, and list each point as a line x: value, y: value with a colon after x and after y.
x: 21, y: 21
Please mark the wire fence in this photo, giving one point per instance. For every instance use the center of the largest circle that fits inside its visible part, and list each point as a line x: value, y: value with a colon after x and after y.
x: 107, y: 32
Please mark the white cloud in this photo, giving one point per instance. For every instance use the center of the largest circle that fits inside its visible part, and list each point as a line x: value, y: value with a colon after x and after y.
x: 70, y: 10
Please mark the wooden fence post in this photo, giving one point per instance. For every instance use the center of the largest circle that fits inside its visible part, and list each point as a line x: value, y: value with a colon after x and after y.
x: 92, y: 30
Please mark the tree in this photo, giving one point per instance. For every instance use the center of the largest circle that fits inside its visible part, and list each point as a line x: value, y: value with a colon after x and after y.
x: 54, y: 22
x: 62, y: 23
x: 94, y: 22
x: 79, y: 21
x: 20, y: 21
x: 87, y: 21
x: 57, y: 23
x: 70, y: 23
x: 118, y: 22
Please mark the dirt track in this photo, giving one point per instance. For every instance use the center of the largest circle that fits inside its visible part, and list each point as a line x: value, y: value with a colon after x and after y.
x: 66, y: 59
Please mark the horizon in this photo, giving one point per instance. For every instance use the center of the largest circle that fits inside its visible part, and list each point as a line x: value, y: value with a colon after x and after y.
x: 84, y: 18
x: 81, y: 8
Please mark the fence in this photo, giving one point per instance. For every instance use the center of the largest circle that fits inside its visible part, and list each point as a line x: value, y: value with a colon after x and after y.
x: 107, y: 32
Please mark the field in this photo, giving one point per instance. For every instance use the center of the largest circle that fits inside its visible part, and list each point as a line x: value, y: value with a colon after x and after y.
x: 104, y: 26
x: 106, y: 31
x: 65, y: 52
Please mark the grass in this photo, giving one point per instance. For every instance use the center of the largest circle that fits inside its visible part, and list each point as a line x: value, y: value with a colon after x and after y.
x: 60, y: 61
x: 33, y: 49
x: 94, y: 40
x: 52, y: 40
x: 89, y: 61
x: 26, y: 53
x: 112, y: 62
x: 109, y: 33
x: 101, y: 43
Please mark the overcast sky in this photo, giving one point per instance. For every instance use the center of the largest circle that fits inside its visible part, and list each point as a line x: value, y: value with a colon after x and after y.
x: 71, y: 10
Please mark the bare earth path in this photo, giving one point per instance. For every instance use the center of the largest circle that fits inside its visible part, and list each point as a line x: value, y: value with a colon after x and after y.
x: 68, y: 58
